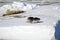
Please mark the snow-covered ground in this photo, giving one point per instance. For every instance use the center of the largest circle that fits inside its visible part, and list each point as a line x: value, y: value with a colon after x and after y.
x: 19, y: 29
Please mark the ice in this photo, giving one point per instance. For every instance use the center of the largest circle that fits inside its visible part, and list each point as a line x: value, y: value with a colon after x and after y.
x: 20, y: 29
x: 4, y: 8
x: 23, y: 6
x: 27, y: 33
x: 17, y: 5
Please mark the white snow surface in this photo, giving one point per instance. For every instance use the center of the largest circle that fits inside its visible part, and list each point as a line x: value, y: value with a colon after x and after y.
x: 19, y: 29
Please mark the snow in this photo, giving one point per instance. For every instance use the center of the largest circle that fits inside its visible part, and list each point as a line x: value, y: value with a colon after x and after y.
x: 26, y: 33
x: 19, y: 29
x: 18, y: 5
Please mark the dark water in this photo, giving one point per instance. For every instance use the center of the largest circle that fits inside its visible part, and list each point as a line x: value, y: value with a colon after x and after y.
x: 57, y: 30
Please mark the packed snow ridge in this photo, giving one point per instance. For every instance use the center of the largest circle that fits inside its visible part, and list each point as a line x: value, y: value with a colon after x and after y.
x: 20, y: 5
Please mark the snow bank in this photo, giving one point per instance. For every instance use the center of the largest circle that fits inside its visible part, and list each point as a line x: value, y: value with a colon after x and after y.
x: 42, y: 32
x: 22, y: 30
x: 23, y: 6
x: 18, y: 5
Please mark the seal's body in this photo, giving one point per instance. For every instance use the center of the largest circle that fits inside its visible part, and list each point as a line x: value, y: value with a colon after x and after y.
x: 12, y: 11
x: 36, y: 18
x: 32, y: 19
